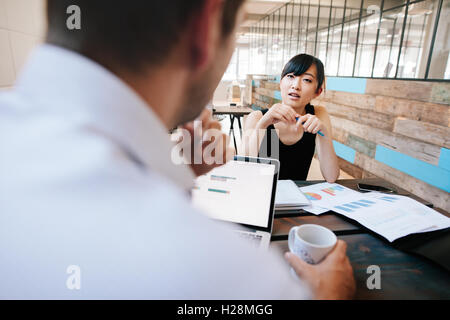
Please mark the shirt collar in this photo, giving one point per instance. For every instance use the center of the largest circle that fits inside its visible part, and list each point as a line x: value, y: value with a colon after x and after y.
x: 64, y: 81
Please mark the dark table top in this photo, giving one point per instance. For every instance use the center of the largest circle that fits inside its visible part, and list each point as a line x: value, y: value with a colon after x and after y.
x: 403, y: 275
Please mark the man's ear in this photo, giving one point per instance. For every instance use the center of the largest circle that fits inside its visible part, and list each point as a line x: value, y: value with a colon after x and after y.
x: 205, y: 30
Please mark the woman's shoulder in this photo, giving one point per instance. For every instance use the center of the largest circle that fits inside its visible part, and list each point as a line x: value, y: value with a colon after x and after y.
x: 317, y: 107
x: 320, y: 110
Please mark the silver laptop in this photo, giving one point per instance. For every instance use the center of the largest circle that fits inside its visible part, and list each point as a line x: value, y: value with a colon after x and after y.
x: 241, y: 192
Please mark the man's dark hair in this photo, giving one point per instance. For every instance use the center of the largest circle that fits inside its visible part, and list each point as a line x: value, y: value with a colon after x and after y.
x: 300, y: 63
x: 133, y: 33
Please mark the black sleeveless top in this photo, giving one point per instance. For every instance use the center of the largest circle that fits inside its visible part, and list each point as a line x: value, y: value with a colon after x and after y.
x: 295, y: 159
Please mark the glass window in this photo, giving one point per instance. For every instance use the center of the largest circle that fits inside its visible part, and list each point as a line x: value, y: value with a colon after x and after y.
x: 265, y: 44
x: 332, y: 61
x: 322, y: 33
x: 230, y: 73
x: 389, y: 4
x: 389, y: 43
x: 297, y: 24
x: 370, y: 20
x: 277, y: 51
x: 440, y: 62
x: 287, y: 38
x: 243, y: 62
x: 365, y: 38
x: 310, y: 38
x: 259, y: 58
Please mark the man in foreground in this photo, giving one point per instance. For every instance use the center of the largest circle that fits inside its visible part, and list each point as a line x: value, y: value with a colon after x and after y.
x: 92, y: 205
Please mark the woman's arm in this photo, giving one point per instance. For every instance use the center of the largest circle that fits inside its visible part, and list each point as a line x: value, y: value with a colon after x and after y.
x: 256, y: 124
x: 327, y: 156
x: 253, y: 136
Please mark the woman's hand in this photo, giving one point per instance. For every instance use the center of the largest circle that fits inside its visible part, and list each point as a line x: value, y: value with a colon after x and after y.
x: 278, y: 113
x: 312, y: 124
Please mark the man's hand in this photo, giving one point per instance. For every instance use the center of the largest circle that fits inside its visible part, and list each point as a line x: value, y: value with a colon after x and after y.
x: 208, y: 144
x: 332, y: 278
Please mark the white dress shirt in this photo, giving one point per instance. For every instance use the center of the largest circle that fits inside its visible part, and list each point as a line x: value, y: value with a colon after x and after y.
x: 86, y: 180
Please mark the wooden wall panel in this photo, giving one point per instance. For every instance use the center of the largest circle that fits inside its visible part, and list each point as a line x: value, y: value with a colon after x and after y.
x: 353, y: 170
x: 363, y: 101
x: 260, y: 103
x: 415, y: 90
x: 264, y: 98
x: 266, y: 95
x: 409, y: 117
x: 415, y: 110
x: 340, y: 135
x: 362, y: 145
x: 414, y: 148
x: 265, y: 92
x: 431, y: 133
x: 371, y: 118
x: 440, y: 93
x: 270, y: 85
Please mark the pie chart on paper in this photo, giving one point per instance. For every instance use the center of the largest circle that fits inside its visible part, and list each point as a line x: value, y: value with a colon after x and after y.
x: 313, y: 196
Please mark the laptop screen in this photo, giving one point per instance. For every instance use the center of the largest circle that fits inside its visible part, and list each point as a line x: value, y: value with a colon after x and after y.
x: 240, y: 191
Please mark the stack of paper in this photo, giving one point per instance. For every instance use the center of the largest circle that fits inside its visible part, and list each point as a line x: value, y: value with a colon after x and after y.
x: 289, y: 196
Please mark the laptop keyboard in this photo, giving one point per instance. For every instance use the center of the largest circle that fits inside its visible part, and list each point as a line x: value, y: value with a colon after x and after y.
x: 251, y: 237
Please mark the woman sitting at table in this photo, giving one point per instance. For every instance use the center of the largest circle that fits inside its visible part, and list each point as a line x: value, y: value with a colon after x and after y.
x: 302, y: 80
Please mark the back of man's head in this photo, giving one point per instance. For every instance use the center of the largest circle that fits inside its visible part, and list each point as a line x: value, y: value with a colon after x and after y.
x: 132, y: 33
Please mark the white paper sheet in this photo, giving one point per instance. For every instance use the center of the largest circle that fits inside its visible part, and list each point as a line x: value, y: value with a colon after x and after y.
x: 322, y: 196
x: 438, y: 220
x: 315, y: 209
x: 383, y: 217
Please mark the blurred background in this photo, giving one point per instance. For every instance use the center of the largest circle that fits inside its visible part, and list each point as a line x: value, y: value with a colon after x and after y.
x: 387, y: 88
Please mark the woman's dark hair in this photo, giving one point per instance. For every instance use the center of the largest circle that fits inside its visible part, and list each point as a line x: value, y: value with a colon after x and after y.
x: 300, y: 63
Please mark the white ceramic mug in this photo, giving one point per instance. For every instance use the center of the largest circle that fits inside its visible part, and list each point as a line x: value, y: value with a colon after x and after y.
x: 311, y: 242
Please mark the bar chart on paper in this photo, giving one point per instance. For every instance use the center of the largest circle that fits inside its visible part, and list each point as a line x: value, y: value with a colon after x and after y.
x: 221, y: 178
x: 354, y: 205
x: 392, y: 217
x: 334, y: 190
x: 389, y: 199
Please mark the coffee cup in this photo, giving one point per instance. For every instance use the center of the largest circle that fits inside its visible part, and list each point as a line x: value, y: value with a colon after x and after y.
x: 311, y: 242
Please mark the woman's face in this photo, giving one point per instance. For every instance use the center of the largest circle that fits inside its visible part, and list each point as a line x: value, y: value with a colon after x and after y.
x: 298, y: 91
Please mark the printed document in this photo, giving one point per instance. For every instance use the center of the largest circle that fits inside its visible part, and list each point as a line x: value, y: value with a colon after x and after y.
x: 391, y: 216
